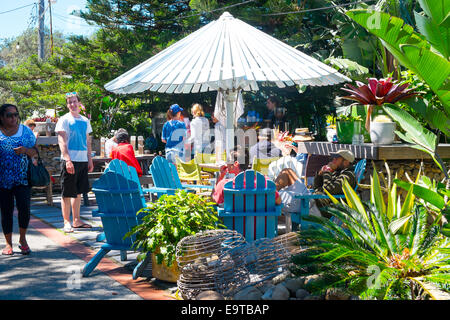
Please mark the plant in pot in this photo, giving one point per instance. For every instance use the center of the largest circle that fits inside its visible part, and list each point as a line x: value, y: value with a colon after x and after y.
x: 347, y: 127
x: 166, y: 222
x: 374, y: 94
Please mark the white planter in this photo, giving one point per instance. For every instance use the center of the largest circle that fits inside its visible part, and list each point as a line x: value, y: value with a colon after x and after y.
x: 330, y: 134
x: 382, y: 132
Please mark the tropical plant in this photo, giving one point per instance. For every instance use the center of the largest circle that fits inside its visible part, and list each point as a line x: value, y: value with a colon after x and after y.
x: 169, y: 220
x: 378, y: 250
x: 426, y: 54
x: 433, y: 196
x: 417, y: 52
x: 420, y: 137
x: 344, y: 117
x: 378, y: 92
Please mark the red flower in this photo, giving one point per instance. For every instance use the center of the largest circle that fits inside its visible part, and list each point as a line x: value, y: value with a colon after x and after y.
x: 378, y: 92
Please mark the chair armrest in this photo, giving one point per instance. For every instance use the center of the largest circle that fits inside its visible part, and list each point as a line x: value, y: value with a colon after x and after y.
x: 222, y: 213
x: 159, y: 190
x: 200, y: 186
x: 317, y: 196
x: 112, y: 215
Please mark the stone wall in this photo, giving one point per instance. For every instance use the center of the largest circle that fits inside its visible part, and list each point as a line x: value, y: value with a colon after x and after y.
x: 50, y: 157
x: 403, y: 169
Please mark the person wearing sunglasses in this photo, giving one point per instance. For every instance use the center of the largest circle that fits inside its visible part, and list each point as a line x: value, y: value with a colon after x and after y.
x: 74, y: 141
x: 17, y: 146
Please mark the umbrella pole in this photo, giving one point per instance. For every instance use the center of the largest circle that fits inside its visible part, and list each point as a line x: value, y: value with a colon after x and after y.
x: 230, y: 98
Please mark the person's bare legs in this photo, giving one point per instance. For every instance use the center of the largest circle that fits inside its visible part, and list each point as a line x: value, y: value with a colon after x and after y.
x: 65, y: 208
x: 285, y: 178
x: 76, y: 204
x: 8, y: 246
x: 22, y: 237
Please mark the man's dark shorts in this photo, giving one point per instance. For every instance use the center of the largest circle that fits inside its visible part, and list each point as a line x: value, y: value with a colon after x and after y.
x: 74, y: 184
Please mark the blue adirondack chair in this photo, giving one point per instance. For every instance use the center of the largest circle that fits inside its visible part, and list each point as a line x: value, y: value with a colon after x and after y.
x: 249, y: 206
x: 304, y: 199
x: 166, y: 180
x: 119, y: 197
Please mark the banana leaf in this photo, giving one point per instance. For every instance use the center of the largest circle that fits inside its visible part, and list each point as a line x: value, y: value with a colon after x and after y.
x: 433, y: 26
x: 414, y: 130
x: 395, y: 35
x: 434, y: 116
x: 434, y: 33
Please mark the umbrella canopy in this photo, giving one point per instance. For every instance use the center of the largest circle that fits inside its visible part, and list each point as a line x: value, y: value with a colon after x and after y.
x: 225, y: 54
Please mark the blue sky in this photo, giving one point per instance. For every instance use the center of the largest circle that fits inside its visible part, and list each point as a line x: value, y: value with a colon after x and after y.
x: 15, y: 22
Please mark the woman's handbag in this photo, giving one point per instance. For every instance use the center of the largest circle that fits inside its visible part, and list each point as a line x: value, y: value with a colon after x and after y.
x: 38, y: 176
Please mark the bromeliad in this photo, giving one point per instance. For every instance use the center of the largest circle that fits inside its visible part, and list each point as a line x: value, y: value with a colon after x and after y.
x: 377, y: 92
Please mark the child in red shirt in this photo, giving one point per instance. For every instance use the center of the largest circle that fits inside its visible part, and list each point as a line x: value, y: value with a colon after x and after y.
x: 124, y: 151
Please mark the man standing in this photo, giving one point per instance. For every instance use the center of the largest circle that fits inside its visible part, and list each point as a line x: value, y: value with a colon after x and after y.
x: 331, y: 176
x: 74, y: 141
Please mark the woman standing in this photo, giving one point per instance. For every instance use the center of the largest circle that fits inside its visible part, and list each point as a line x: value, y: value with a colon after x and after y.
x: 174, y: 134
x: 200, y: 135
x: 17, y: 143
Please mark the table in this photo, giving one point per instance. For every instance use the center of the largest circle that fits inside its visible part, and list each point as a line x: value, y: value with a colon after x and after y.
x: 144, y: 160
x: 210, y: 166
x: 214, y: 169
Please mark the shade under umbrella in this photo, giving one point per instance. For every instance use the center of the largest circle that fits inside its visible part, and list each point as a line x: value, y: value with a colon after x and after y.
x: 226, y: 55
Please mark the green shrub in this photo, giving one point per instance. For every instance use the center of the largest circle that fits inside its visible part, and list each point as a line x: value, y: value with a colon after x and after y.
x: 170, y: 219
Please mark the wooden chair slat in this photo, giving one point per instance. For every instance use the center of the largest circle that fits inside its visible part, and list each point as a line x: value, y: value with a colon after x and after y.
x: 249, y: 206
x: 119, y: 197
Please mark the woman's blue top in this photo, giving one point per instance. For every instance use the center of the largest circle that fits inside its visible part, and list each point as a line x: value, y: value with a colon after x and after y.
x: 14, y: 167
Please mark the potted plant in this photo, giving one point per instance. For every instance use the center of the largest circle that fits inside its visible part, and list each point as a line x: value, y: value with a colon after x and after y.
x: 165, y: 223
x: 382, y: 130
x: 375, y: 94
x: 346, y: 127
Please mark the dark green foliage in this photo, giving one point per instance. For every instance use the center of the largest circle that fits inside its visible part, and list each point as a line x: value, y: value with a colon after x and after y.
x: 169, y: 220
x: 374, y: 264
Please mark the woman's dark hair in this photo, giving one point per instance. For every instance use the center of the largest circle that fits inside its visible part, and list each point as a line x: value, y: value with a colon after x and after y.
x: 275, y: 100
x: 3, y: 108
x: 122, y: 137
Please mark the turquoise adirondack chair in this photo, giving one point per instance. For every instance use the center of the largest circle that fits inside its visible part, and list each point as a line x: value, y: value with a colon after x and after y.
x: 119, y: 197
x: 166, y: 180
x: 249, y: 206
x: 304, y: 199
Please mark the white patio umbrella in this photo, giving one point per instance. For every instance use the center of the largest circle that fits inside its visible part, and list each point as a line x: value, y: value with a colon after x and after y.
x: 226, y: 55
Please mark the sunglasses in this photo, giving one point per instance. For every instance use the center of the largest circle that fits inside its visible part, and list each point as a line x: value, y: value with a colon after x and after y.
x: 69, y: 94
x: 10, y: 115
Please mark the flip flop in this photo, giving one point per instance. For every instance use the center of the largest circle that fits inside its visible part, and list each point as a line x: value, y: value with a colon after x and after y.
x: 7, y: 252
x: 25, y: 250
x: 83, y: 226
x: 68, y: 228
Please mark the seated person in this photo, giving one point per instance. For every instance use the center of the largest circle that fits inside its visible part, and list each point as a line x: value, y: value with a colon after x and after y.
x: 332, y: 175
x: 125, y: 152
x: 112, y: 142
x: 288, y: 184
x: 264, y: 148
x: 227, y: 173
